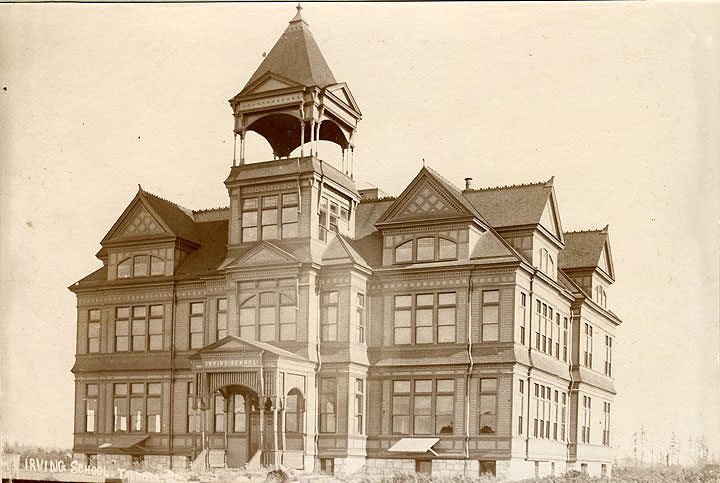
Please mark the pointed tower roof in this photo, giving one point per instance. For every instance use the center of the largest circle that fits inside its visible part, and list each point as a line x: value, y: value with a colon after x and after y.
x: 296, y: 57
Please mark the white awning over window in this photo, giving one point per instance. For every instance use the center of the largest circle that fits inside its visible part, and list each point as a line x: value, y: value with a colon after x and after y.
x: 414, y: 445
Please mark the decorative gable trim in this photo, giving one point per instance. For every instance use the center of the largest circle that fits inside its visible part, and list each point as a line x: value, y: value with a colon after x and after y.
x: 605, y: 263
x: 341, y: 92
x: 550, y: 217
x: 263, y: 254
x: 138, y: 220
x: 425, y: 198
x: 268, y: 82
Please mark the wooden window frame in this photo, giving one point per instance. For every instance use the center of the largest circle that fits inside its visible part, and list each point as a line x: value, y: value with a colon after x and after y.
x: 416, y: 306
x: 94, y: 341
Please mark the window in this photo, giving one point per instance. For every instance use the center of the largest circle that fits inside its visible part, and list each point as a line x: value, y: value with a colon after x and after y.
x: 563, y: 416
x: 330, y: 212
x: 193, y: 412
x: 521, y: 389
x: 403, y: 252
x: 424, y: 318
x: 289, y: 216
x: 600, y: 296
x: 360, y: 319
x: 124, y: 268
x: 430, y: 402
x: 523, y: 316
x: 122, y: 316
x: 606, y: 424
x: 141, y: 266
x: 488, y: 406
x: 328, y: 402
x: 490, y: 315
x: 554, y: 413
x: 587, y: 404
x: 327, y: 466
x: 487, y: 468
x: 157, y: 266
x: 359, y: 406
x: 221, y: 322
x: 142, y: 332
x: 543, y: 260
x: 608, y: 355
x: 565, y: 338
x: 239, y: 413
x: 329, y: 316
x: 93, y: 330
x: 587, y: 355
x: 542, y: 408
x: 143, y: 400
x: 426, y: 249
x: 556, y: 332
x: 269, y: 218
x: 293, y: 409
x: 91, y: 393
x: 197, y: 323
x: 249, y: 219
x: 272, y: 315
x: 219, y: 413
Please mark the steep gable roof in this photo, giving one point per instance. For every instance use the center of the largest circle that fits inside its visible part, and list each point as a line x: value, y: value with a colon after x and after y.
x: 340, y: 251
x: 297, y: 57
x: 584, y: 249
x: 517, y: 205
x: 429, y: 195
x: 150, y: 215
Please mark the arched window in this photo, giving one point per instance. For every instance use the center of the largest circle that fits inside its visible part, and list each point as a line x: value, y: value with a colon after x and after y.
x: 293, y: 410
x: 124, y: 268
x: 403, y: 252
x: 425, y: 249
x: 447, y: 249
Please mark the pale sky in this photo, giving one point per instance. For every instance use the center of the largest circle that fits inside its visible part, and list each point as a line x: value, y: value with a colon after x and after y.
x: 619, y: 101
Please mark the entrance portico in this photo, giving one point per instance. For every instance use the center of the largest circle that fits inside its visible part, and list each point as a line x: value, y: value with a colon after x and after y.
x: 257, y: 403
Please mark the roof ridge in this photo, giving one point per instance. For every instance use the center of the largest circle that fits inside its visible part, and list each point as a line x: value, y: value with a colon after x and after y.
x: 383, y: 198
x: 504, y: 187
x: 591, y: 230
x: 207, y: 210
x: 187, y: 211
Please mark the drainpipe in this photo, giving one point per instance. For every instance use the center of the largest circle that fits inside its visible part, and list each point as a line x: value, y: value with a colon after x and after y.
x: 530, y: 343
x: 319, y: 366
x: 468, y: 374
x: 171, y: 419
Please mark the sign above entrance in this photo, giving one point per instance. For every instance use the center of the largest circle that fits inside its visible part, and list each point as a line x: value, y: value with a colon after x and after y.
x: 229, y: 363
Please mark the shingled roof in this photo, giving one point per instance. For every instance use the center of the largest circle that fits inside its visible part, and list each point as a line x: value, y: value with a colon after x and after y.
x: 583, y: 248
x: 297, y: 57
x: 511, y: 205
x: 178, y: 219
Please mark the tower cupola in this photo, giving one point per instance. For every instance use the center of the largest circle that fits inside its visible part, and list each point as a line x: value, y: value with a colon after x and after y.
x: 293, y: 100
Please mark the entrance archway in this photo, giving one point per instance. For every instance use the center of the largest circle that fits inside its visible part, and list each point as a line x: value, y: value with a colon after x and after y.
x: 234, y: 406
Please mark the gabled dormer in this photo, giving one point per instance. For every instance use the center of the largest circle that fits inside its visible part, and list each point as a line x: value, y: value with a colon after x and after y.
x: 431, y: 221
x: 527, y: 217
x: 150, y: 239
x: 587, y: 260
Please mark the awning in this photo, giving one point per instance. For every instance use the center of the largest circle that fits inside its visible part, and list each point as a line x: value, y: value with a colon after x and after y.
x: 414, y: 445
x: 126, y: 443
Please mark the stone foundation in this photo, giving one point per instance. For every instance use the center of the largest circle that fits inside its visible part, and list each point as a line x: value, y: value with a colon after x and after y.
x: 381, y: 466
x: 450, y: 468
x: 349, y: 465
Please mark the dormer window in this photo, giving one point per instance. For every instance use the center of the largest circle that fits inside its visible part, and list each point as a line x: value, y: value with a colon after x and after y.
x: 141, y: 266
x: 426, y: 249
x: 600, y: 296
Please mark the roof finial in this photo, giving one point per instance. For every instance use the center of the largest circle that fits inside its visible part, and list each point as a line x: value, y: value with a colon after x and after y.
x: 298, y: 15
x: 423, y: 162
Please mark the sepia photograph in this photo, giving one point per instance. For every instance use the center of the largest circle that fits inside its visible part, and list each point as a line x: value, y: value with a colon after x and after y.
x: 404, y: 242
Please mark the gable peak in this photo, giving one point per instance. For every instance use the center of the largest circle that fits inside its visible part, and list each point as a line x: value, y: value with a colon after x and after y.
x: 549, y: 183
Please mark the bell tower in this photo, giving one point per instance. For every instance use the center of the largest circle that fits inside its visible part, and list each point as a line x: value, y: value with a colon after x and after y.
x: 293, y: 100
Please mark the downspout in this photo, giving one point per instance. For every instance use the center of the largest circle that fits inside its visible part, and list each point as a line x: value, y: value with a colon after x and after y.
x: 319, y: 366
x: 528, y: 390
x: 572, y: 383
x: 468, y: 374
x: 172, y: 375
